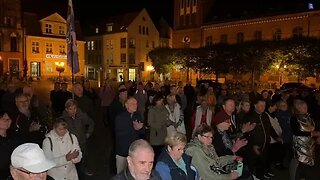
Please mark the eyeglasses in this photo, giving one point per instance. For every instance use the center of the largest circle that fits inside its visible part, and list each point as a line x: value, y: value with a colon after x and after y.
x: 31, y: 174
x: 211, y: 137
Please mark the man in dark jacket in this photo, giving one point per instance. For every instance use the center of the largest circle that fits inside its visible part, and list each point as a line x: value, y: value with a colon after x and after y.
x: 128, y: 128
x: 140, y: 163
x: 259, y: 139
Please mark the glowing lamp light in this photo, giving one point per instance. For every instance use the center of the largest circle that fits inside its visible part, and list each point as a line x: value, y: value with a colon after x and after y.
x: 60, y: 64
x: 149, y: 68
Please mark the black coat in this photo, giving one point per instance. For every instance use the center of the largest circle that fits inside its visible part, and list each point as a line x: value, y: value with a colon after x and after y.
x: 261, y: 134
x: 125, y: 132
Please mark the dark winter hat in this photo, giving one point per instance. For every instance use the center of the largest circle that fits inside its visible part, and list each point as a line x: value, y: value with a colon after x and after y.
x: 220, y: 117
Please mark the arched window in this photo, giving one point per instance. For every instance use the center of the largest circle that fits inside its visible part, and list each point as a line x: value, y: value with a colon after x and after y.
x: 240, y: 37
x: 257, y: 35
x: 277, y: 35
x: 209, y: 41
x: 297, y: 31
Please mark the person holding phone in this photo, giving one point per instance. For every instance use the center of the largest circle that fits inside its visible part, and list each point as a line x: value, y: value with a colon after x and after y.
x: 62, y: 147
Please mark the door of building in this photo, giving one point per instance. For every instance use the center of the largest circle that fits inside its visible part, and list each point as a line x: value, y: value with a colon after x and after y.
x: 14, y: 67
x: 35, y: 69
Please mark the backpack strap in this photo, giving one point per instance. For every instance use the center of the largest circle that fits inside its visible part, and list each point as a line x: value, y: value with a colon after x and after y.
x: 71, y: 137
x: 51, y: 145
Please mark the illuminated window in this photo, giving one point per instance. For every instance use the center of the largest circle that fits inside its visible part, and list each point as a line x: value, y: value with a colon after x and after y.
x: 97, y: 30
x: 49, y: 68
x: 109, y: 27
x: 92, y: 45
x: 132, y: 43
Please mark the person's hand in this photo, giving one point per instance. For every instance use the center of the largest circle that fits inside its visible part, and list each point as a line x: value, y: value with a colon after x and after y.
x: 238, y: 144
x: 247, y: 127
x: 257, y: 149
x: 137, y: 125
x: 72, y: 155
x: 34, y: 126
x: 238, y: 158
x: 234, y: 175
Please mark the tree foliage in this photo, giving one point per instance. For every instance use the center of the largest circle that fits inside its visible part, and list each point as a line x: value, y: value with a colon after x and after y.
x: 301, y: 54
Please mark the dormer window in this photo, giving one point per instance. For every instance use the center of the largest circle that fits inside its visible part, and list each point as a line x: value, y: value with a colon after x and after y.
x: 61, y: 30
x: 109, y: 27
x: 49, y: 28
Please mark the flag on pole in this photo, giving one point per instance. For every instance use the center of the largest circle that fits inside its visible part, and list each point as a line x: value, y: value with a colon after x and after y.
x: 72, y: 55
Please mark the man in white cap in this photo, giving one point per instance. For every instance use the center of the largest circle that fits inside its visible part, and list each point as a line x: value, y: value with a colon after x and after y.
x: 29, y: 162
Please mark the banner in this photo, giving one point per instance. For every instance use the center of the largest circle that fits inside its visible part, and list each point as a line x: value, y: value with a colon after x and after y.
x: 72, y: 55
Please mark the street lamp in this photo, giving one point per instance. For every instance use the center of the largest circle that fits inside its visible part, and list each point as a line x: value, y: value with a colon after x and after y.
x: 59, y: 68
x: 281, y: 68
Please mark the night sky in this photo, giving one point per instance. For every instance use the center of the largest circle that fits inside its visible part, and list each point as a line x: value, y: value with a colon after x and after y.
x: 90, y: 11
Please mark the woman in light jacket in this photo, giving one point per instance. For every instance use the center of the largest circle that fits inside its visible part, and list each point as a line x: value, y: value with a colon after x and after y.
x: 175, y: 122
x: 157, y: 121
x: 205, y: 158
x: 62, y: 147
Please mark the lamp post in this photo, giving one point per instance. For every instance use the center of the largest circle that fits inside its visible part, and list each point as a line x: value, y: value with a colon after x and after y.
x: 281, y: 68
x: 59, y: 69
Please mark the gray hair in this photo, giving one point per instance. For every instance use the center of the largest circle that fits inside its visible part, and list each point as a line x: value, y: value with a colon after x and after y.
x: 70, y: 102
x: 139, y: 144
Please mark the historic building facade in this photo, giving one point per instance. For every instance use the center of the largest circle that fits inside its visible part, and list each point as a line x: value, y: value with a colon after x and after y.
x: 191, y: 29
x: 117, y: 48
x: 11, y: 38
x: 46, y: 47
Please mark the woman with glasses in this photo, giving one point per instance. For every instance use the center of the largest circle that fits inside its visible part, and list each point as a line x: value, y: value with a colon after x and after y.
x: 173, y: 163
x: 205, y: 158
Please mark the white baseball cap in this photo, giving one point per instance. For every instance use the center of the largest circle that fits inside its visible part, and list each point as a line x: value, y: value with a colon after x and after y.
x: 30, y: 157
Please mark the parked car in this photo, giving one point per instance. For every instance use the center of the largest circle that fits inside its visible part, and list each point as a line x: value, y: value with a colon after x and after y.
x: 296, y: 86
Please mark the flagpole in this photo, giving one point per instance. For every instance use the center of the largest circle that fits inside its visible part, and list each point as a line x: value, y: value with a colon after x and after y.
x: 72, y: 66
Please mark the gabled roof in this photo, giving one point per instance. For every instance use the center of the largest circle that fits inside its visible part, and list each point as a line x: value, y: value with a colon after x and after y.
x: 33, y: 27
x: 119, y: 23
x: 54, y: 17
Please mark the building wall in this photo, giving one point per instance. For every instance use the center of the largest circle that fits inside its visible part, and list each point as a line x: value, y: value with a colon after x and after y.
x: 48, y: 50
x: 268, y: 25
x: 46, y: 62
x: 137, y: 65
x: 11, y: 60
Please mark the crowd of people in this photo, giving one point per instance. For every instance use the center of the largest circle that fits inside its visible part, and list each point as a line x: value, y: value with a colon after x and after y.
x: 168, y: 131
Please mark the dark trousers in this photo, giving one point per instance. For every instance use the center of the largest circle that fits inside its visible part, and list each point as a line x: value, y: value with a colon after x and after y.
x: 105, y: 116
x: 257, y: 164
x: 276, y: 154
